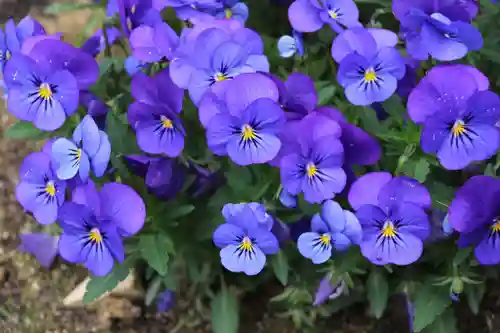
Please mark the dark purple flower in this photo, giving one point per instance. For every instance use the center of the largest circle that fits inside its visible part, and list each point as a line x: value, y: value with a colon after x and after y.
x: 95, y: 108
x: 458, y: 113
x: 188, y: 9
x: 216, y: 55
x: 370, y: 66
x: 164, y: 177
x: 41, y: 245
x: 312, y: 163
x: 205, y: 181
x: 244, y: 241
x: 40, y: 191
x: 152, y: 43
x: 392, y: 214
x: 438, y: 28
x: 298, y: 95
x: 311, y: 15
x: 230, y: 9
x: 245, y: 121
x: 289, y: 45
x: 13, y: 37
x: 474, y: 212
x: 329, y: 290
x: 334, y: 228
x: 165, y: 301
x: 133, y: 13
x: 96, y: 43
x: 89, y: 148
x: 155, y: 114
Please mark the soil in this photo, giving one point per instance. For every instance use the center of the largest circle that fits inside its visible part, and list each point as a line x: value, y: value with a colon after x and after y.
x: 31, y: 296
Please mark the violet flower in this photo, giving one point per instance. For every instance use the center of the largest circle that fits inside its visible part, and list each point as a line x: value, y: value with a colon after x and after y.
x: 328, y: 290
x: 288, y: 46
x: 96, y: 43
x: 133, y: 13
x: 41, y: 245
x: 152, y: 43
x: 165, y: 301
x: 189, y: 9
x: 392, y: 214
x: 458, y: 113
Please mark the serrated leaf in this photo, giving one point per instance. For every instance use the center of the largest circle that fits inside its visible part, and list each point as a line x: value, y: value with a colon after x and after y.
x: 280, y: 267
x: 99, y: 285
x: 445, y: 323
x: 378, y: 292
x: 154, y: 249
x: 23, y: 130
x: 225, y: 312
x: 475, y: 294
x: 421, y: 170
x: 430, y: 303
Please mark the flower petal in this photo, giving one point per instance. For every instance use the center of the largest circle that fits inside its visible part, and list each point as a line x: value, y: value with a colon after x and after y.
x: 310, y: 247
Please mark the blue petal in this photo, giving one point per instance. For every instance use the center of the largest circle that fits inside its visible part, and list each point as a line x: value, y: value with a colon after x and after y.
x: 84, y: 168
x: 235, y: 260
x: 310, y: 247
x: 340, y: 241
x: 333, y: 215
x: 101, y: 158
x: 287, y: 46
x: 87, y: 132
x: 64, y: 159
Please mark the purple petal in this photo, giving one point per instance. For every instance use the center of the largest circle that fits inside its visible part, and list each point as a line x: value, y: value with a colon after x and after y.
x: 43, y: 246
x: 265, y: 240
x: 99, y: 260
x: 333, y: 215
x: 227, y: 234
x: 246, y: 263
x: 413, y: 220
x: 263, y: 150
x: 404, y: 189
x: 368, y: 216
x: 319, y: 225
x: 87, y: 195
x: 358, y: 40
x: 310, y: 247
x: 247, y: 88
x: 87, y: 132
x: 304, y: 17
x: 333, y: 181
x: 100, y: 160
x: 366, y: 189
x: 64, y: 159
x: 487, y: 251
x: 353, y: 228
x: 301, y: 91
x: 405, y: 251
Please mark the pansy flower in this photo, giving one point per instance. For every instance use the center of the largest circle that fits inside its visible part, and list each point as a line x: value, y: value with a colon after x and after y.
x: 312, y: 163
x: 244, y: 242
x: 329, y: 290
x: 370, y: 66
x: 288, y: 46
x: 154, y: 114
x: 232, y: 9
x: 152, y: 43
x: 89, y: 148
x: 311, y: 15
x: 475, y: 213
x: 39, y: 190
x: 189, y: 9
x: 216, y: 55
x: 94, y: 223
x: 392, y: 215
x: 458, y: 114
x: 165, y: 301
x: 438, y: 28
x: 245, y: 121
x: 41, y: 245
x: 133, y: 13
x: 335, y: 228
x: 96, y: 43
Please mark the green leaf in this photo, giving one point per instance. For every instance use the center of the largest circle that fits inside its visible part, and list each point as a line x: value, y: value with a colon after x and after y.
x: 325, y: 94
x: 99, y: 285
x: 23, y: 130
x: 59, y: 8
x: 446, y: 323
x: 225, y: 312
x: 430, y: 303
x: 421, y: 170
x: 475, y: 294
x: 280, y: 267
x: 179, y: 211
x: 378, y: 292
x: 154, y: 249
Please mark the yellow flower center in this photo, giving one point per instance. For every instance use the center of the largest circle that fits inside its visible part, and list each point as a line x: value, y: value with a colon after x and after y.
x: 246, y: 244
x: 166, y: 122
x: 458, y: 128
x: 50, y: 188
x: 496, y: 226
x: 333, y: 14
x: 370, y: 75
x: 132, y: 9
x: 228, y: 13
x: 324, y: 239
x: 248, y: 133
x: 220, y: 77
x: 78, y: 153
x: 44, y: 91
x: 389, y: 230
x: 311, y: 170
x: 95, y: 235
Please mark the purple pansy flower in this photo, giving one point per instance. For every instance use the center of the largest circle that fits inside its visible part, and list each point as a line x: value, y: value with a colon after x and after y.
x: 164, y: 177
x: 96, y: 43
x: 298, y: 95
x: 312, y: 164
x: 334, y: 228
x: 188, y: 9
x: 329, y: 290
x: 214, y: 56
x: 41, y: 245
x: 154, y: 114
x: 94, y: 223
x: 311, y: 15
x: 475, y: 213
x: 133, y: 13
x: 289, y: 45
x: 231, y: 9
x: 165, y: 300
x: 458, y: 114
x: 244, y: 242
x: 370, y: 66
x: 438, y: 28
x: 244, y: 121
x: 12, y: 37
x: 392, y: 214
x: 89, y: 148
x: 39, y: 191
x: 152, y: 43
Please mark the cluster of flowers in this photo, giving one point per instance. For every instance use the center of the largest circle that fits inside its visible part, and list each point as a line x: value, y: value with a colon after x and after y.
x: 253, y: 117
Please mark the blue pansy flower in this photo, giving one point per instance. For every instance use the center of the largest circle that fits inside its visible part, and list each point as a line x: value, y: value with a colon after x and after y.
x: 289, y: 45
